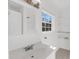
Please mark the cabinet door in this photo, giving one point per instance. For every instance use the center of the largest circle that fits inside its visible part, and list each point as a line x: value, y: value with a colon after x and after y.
x: 14, y: 23
x: 29, y: 20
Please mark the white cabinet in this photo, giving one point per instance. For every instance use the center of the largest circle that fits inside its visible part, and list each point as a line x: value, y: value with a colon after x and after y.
x: 29, y: 20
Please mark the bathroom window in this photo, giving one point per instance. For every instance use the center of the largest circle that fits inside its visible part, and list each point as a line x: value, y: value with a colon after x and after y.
x: 46, y: 26
x: 46, y: 22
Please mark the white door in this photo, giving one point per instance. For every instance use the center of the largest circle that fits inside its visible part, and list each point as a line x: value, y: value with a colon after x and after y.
x: 14, y: 23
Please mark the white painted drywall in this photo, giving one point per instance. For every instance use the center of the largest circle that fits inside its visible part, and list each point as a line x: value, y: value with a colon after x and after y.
x: 60, y: 9
x: 14, y: 23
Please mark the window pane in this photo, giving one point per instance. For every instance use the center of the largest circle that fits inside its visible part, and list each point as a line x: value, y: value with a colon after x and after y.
x: 43, y: 24
x: 47, y: 29
x: 49, y: 21
x: 48, y: 25
x: 43, y: 29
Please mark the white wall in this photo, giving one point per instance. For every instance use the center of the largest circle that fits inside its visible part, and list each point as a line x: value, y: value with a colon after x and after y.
x: 60, y: 9
x: 14, y: 23
x: 52, y: 39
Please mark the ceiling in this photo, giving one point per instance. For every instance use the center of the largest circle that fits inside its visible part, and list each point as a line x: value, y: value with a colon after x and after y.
x: 55, y: 6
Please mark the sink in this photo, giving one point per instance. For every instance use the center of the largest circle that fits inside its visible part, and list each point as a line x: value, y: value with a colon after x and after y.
x: 39, y: 51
